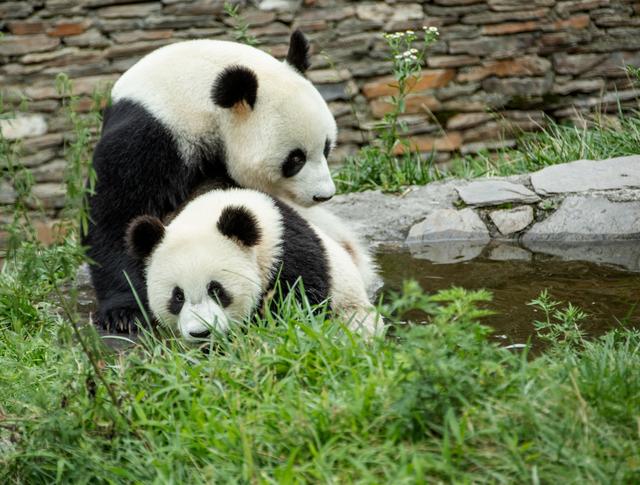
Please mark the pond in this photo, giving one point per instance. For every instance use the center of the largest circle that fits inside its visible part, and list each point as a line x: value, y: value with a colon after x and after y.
x: 606, y: 293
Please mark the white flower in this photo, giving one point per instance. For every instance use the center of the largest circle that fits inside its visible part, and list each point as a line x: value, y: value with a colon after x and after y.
x: 413, y: 51
x: 399, y: 56
x: 410, y: 32
x: 433, y: 29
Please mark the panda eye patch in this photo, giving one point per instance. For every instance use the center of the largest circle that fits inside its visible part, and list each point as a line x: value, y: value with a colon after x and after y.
x: 293, y: 163
x: 217, y: 293
x: 327, y: 148
x: 176, y: 301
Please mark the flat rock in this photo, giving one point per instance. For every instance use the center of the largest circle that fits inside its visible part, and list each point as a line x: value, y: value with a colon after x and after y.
x: 7, y: 193
x: 49, y: 195
x: 509, y: 221
x: 584, y: 219
x: 23, y: 126
x: 386, y: 218
x: 446, y: 225
x: 495, y: 192
x: 282, y: 5
x: 583, y: 175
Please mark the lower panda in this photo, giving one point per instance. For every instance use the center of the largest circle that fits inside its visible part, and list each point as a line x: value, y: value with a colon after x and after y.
x: 217, y: 260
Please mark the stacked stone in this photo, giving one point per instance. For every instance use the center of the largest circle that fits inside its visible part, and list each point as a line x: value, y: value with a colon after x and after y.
x: 498, y: 68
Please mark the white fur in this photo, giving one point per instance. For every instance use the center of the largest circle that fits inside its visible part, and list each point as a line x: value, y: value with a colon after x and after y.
x: 336, y: 228
x: 348, y: 295
x: 175, y: 84
x: 193, y: 252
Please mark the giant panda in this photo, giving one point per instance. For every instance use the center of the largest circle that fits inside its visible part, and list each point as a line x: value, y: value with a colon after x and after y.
x: 216, y: 261
x: 194, y: 111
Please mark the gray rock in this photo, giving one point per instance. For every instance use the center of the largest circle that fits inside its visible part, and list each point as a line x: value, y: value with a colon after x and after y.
x: 490, y: 47
x: 49, y: 195
x: 38, y: 158
x: 445, y: 225
x: 15, y: 10
x: 583, y: 175
x: 386, y: 218
x: 333, y: 92
x: 495, y: 192
x: 374, y: 11
x: 519, y: 86
x: 7, y: 193
x: 50, y: 172
x: 280, y: 5
x: 509, y: 221
x: 23, y: 126
x: 583, y: 219
x: 12, y: 45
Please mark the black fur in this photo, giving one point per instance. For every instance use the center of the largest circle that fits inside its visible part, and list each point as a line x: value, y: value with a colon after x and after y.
x: 217, y: 292
x: 293, y: 163
x: 234, y: 85
x: 239, y: 223
x: 139, y: 171
x: 298, y: 54
x: 327, y: 148
x: 176, y: 302
x: 303, y: 257
x: 143, y: 234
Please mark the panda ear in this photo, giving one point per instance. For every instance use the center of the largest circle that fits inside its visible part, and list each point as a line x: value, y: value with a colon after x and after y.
x: 143, y: 235
x: 235, y: 84
x: 238, y: 223
x: 298, y: 55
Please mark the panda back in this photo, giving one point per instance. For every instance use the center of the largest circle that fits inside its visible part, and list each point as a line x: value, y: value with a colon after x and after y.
x: 303, y: 256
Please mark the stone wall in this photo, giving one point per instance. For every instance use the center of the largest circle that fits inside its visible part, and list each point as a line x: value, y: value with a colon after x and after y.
x: 499, y: 66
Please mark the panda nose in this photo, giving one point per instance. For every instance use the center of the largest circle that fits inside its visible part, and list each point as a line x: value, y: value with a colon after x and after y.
x: 318, y: 198
x: 203, y: 334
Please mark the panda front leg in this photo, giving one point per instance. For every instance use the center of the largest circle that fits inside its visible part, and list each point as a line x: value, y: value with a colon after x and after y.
x: 118, y: 308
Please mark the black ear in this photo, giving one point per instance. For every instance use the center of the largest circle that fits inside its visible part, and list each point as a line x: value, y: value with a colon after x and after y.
x: 143, y: 235
x: 298, y: 55
x: 238, y: 223
x: 235, y: 84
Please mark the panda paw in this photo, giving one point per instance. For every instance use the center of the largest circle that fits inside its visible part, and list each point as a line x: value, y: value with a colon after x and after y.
x: 120, y: 320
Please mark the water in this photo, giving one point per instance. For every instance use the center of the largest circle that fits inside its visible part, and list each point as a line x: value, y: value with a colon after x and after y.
x: 606, y: 294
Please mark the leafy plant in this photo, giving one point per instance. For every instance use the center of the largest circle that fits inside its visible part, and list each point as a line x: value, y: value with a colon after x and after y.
x: 390, y: 163
x: 20, y: 227
x: 561, y: 328
x: 240, y: 25
x: 80, y: 177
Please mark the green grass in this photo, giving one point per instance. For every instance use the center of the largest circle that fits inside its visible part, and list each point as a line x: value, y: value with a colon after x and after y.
x: 556, y: 143
x: 294, y: 398
x: 372, y: 169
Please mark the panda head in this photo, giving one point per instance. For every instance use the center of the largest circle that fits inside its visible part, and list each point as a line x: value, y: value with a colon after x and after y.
x: 201, y: 277
x: 279, y: 130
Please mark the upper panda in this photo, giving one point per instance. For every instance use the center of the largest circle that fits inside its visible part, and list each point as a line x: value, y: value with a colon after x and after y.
x: 192, y: 112
x: 215, y: 262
